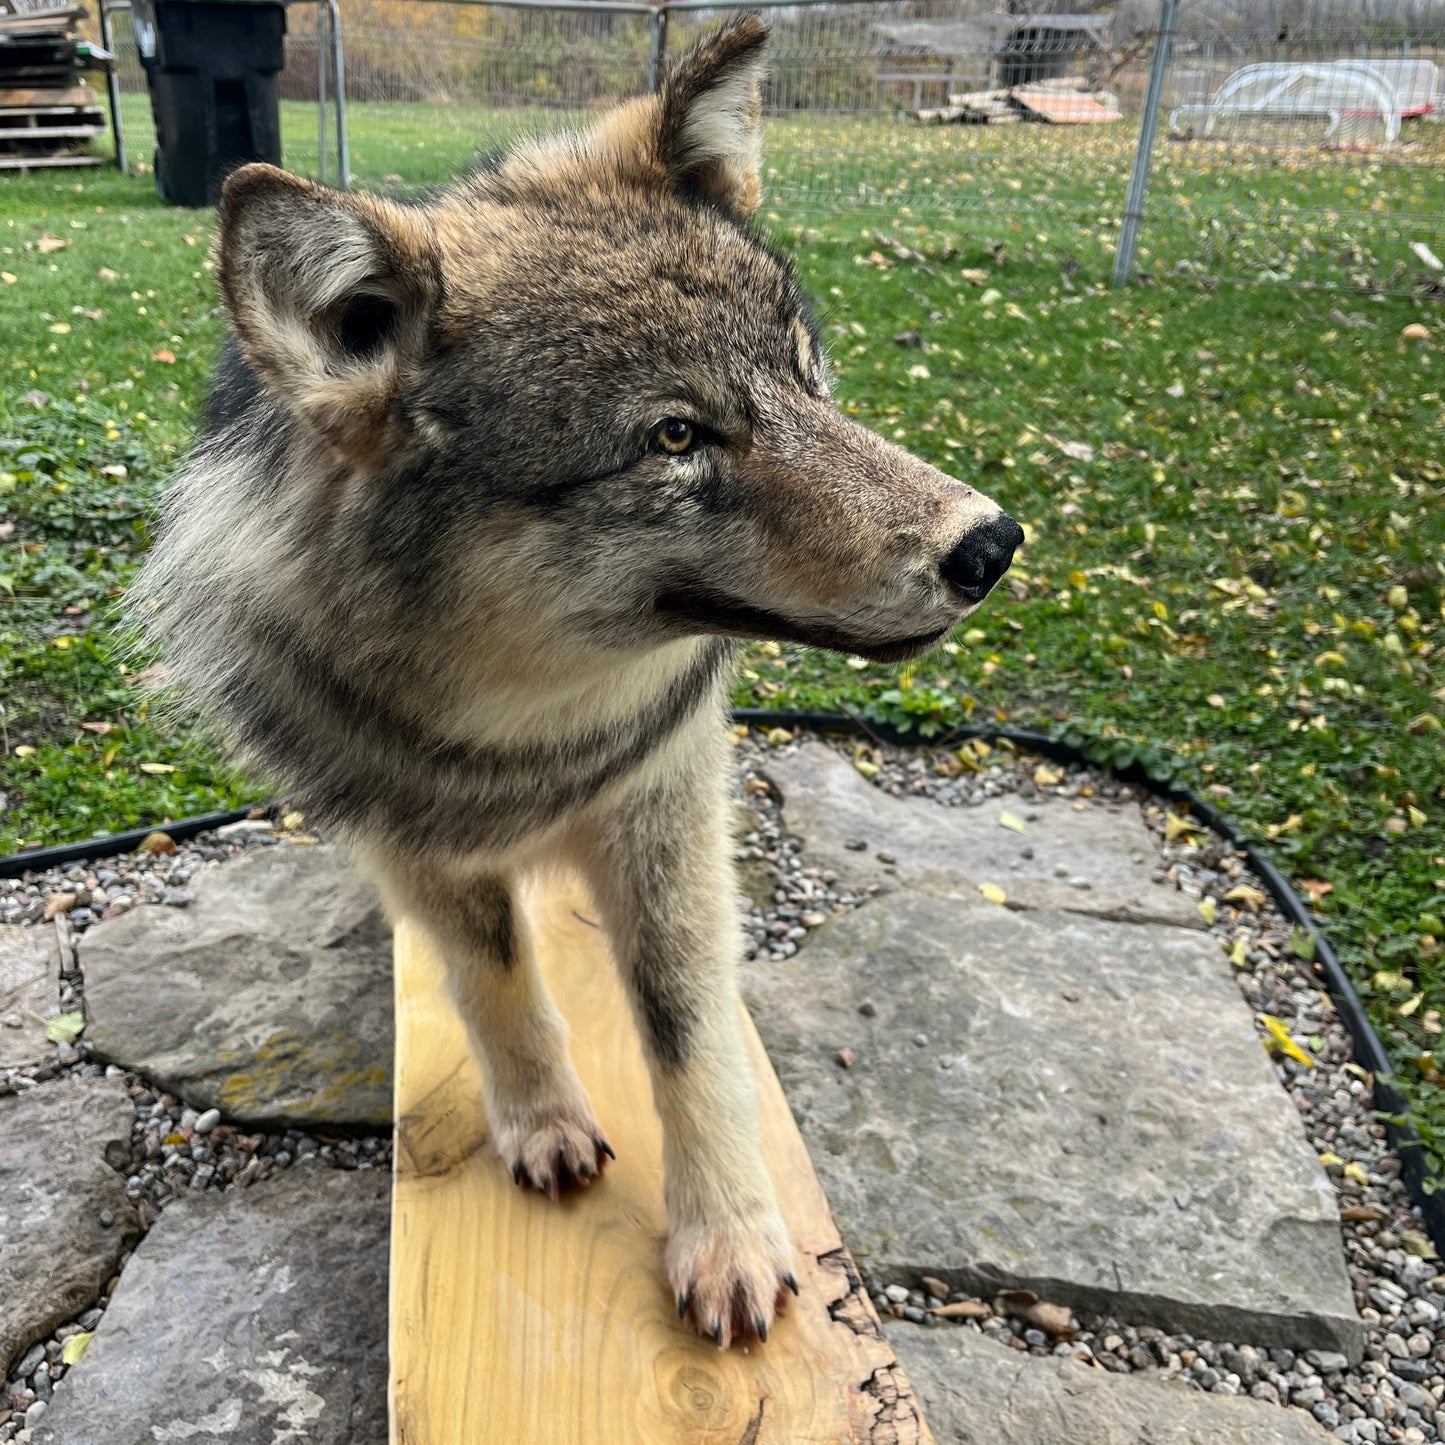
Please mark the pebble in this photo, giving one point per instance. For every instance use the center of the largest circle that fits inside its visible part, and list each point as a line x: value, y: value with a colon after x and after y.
x: 207, y: 1121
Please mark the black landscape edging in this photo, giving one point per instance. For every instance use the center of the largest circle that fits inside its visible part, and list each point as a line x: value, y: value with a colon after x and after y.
x: 1370, y: 1053
x: 17, y: 865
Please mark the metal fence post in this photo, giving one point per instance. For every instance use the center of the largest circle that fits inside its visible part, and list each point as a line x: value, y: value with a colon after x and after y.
x: 112, y: 85
x: 1144, y: 155
x: 656, y: 48
x: 338, y: 79
x: 323, y: 16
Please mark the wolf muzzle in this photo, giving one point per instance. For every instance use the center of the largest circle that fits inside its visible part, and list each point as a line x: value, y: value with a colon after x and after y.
x: 985, y: 554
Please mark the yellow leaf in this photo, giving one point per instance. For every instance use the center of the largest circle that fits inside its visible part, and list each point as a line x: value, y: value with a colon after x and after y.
x: 1330, y: 659
x: 868, y: 769
x: 992, y: 892
x: 1046, y: 777
x: 1410, y: 1005
x: 65, y: 1028
x: 24, y: 750
x: 156, y: 768
x: 776, y: 737
x: 1175, y: 824
x: 62, y: 328
x: 1389, y: 980
x: 75, y: 1347
x: 1207, y: 911
x: 1279, y: 1040
x: 292, y: 821
x: 1215, y: 700
x: 1243, y: 893
x: 1012, y: 822
x: 1417, y: 818
x: 1239, y: 954
x: 1357, y: 1173
x: 1327, y: 1158
x: 1397, y: 597
x: 61, y: 642
x: 1079, y: 580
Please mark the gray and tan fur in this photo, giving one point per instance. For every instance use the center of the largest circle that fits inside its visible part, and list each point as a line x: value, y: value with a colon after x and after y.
x: 487, y: 489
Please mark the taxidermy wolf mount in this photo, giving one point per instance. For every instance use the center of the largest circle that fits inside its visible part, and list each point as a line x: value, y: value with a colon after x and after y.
x: 487, y: 490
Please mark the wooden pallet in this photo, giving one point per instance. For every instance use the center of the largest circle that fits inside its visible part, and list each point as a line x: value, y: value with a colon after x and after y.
x: 516, y: 1321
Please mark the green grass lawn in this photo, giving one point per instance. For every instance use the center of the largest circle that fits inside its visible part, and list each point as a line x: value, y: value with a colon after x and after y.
x: 1234, y: 503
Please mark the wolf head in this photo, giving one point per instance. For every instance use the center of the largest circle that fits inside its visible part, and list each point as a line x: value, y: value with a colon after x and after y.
x: 581, y: 399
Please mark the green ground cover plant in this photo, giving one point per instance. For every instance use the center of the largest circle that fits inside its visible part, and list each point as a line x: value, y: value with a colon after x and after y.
x: 1233, y: 499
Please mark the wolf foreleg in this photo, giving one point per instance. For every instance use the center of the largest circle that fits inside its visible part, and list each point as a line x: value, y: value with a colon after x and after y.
x: 540, y: 1116
x: 659, y: 866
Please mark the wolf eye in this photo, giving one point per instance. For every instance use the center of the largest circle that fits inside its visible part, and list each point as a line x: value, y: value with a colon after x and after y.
x: 674, y: 436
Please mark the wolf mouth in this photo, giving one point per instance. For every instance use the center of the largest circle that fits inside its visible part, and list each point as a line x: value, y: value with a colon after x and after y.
x: 716, y: 612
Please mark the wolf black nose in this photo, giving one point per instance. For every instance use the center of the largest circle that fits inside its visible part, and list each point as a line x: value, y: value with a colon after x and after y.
x: 984, y: 555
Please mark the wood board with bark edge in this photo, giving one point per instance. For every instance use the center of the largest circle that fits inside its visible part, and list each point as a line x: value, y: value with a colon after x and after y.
x: 514, y: 1319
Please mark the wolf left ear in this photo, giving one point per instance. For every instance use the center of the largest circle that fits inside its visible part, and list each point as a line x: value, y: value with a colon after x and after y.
x: 709, y: 127
x: 331, y: 297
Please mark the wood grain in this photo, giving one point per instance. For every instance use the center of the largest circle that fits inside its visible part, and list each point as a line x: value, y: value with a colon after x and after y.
x: 516, y: 1321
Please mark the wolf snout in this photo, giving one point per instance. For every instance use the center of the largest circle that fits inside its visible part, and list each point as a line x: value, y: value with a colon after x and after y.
x: 982, y: 557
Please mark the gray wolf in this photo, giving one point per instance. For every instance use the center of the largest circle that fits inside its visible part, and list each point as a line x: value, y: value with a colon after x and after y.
x: 487, y: 490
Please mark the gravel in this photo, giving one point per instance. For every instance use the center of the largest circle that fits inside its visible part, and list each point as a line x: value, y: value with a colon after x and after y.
x: 1397, y: 1393
x: 172, y: 1148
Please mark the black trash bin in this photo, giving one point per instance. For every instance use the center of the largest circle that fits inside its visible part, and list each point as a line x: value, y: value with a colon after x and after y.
x: 213, y: 67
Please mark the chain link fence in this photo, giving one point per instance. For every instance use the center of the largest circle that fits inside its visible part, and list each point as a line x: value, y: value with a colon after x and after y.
x: 1293, y: 141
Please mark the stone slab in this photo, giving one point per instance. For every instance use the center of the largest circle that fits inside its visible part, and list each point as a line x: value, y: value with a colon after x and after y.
x: 975, y: 1391
x: 828, y: 804
x: 269, y: 998
x: 1090, y: 1115
x: 256, y: 1317
x: 64, y: 1217
x: 28, y: 982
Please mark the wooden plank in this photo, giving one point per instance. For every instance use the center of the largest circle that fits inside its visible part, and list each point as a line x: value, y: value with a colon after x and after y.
x: 37, y: 163
x: 514, y: 1319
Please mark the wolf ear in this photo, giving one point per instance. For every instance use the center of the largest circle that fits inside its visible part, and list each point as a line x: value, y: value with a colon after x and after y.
x: 710, y: 123
x: 331, y: 297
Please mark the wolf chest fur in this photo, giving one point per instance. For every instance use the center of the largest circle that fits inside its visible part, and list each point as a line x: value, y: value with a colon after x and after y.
x: 488, y: 488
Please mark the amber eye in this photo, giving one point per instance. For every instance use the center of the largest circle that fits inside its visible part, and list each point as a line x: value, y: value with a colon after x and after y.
x: 675, y: 436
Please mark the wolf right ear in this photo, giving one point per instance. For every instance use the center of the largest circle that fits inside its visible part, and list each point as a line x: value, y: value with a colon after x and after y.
x: 331, y: 297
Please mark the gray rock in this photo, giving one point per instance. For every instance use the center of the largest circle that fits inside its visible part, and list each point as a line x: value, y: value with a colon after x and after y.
x: 64, y: 1217
x: 269, y: 998
x: 1110, y: 1134
x: 28, y: 981
x: 256, y: 1316
x: 976, y: 1392
x: 1080, y: 862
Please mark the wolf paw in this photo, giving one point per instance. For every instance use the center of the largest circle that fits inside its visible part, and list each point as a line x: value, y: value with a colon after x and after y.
x: 731, y: 1280
x: 554, y: 1149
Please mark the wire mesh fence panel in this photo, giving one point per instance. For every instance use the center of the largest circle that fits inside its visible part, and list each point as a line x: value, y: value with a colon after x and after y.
x: 1302, y: 142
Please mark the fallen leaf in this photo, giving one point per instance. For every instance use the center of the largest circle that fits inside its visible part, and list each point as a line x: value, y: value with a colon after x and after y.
x: 1417, y: 818
x: 106, y: 274
x: 155, y: 769
x: 1315, y: 887
x: 48, y: 243
x: 1047, y: 777
x: 1361, y: 1214
x: 964, y: 1309
x: 1279, y: 1040
x: 157, y: 844
x: 75, y: 1347
x: 1412, y: 1241
x: 1410, y: 1005
x: 1012, y: 822
x: 8, y: 277
x: 167, y: 358
x: 869, y: 770
x: 1356, y: 1172
x: 65, y: 1028
x: 99, y: 728
x: 1079, y: 580
x: 1252, y: 898
x: 1216, y: 700
x: 292, y: 821
x: 1239, y: 954
x: 1415, y: 332
x: 1328, y: 1158
x: 1052, y: 1319
x: 992, y: 892
x: 1208, y: 911
x: 776, y: 737
x: 58, y: 903
x: 1175, y: 825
